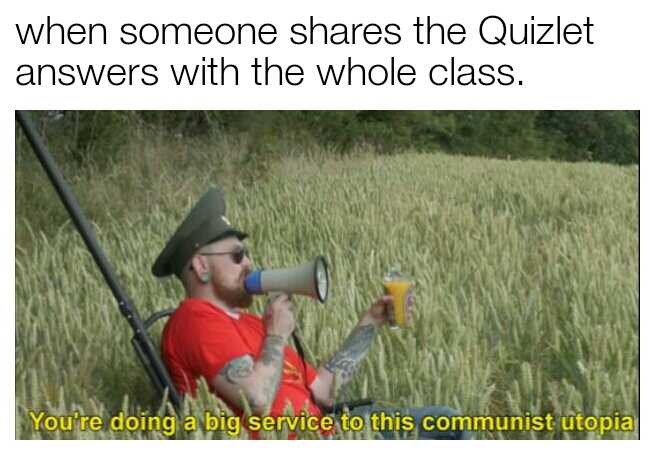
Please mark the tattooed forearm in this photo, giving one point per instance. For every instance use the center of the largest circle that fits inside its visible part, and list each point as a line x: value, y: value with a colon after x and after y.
x: 238, y: 369
x: 272, y: 355
x: 255, y: 380
x: 272, y: 350
x: 351, y: 354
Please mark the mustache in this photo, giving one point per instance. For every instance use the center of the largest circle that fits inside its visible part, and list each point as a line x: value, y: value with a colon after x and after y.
x: 243, y: 276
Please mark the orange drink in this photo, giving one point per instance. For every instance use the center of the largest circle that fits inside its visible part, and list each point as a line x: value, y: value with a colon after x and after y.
x: 398, y: 286
x: 398, y: 290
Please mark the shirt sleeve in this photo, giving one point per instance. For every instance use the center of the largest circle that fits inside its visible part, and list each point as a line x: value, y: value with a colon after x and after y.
x: 213, y: 342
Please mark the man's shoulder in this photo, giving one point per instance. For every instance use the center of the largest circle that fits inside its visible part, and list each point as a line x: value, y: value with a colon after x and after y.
x: 193, y: 314
x: 192, y: 323
x: 194, y: 309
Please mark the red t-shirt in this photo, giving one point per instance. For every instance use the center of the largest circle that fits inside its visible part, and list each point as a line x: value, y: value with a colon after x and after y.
x: 200, y: 338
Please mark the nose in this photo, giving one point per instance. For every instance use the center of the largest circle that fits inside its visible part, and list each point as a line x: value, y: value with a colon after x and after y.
x: 246, y: 263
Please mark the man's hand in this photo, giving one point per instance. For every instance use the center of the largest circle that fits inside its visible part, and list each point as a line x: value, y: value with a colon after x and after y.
x: 381, y: 312
x: 378, y: 313
x: 278, y: 316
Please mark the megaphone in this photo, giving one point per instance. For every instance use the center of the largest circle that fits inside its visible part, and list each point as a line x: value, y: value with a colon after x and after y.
x: 309, y: 279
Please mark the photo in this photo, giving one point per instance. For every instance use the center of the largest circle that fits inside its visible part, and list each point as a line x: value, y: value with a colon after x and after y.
x: 467, y: 275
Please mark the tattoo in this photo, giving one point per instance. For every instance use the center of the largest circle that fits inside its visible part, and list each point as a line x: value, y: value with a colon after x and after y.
x: 272, y: 349
x: 238, y: 369
x: 352, y: 352
x: 272, y: 354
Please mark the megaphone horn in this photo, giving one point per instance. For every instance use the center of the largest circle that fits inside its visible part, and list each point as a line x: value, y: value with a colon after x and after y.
x: 309, y: 279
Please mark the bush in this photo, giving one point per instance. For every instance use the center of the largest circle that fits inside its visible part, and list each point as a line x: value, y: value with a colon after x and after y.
x: 85, y: 137
x: 608, y: 136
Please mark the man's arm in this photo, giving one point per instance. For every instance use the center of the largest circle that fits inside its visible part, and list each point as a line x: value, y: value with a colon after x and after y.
x: 341, y: 367
x: 258, y: 380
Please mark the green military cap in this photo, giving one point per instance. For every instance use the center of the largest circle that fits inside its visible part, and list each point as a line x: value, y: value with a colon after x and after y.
x: 205, y: 223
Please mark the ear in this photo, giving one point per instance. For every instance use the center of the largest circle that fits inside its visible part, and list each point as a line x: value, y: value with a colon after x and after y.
x: 199, y: 266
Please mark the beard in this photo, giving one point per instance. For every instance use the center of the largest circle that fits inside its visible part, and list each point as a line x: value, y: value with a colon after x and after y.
x: 242, y: 299
x: 237, y: 298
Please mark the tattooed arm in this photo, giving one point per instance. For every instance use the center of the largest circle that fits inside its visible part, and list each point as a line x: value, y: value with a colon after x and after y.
x: 258, y: 380
x: 340, y: 368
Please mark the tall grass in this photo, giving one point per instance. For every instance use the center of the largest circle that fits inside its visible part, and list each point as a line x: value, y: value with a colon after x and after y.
x: 526, y: 276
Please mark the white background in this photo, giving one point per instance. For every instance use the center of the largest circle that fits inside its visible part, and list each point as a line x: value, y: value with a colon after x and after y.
x: 615, y: 73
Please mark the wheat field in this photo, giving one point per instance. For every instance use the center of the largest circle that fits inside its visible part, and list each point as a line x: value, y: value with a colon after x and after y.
x: 526, y: 287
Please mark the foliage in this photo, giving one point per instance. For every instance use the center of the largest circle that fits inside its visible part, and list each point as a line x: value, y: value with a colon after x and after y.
x: 606, y: 136
x: 85, y: 137
x: 611, y: 136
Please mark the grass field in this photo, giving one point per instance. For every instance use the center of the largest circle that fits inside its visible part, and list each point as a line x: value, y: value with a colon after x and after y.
x: 526, y: 274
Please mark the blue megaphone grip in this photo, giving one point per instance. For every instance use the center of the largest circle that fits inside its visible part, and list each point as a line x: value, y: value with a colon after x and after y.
x: 253, y: 282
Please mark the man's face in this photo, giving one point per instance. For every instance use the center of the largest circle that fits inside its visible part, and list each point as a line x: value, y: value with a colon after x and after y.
x: 227, y: 275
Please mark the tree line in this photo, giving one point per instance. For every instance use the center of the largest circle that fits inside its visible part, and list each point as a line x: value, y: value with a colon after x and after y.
x: 605, y: 136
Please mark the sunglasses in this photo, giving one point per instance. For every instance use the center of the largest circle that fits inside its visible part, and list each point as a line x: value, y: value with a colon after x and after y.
x: 237, y: 256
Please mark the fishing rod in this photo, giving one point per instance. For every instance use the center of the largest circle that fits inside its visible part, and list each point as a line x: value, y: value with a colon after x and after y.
x: 140, y: 341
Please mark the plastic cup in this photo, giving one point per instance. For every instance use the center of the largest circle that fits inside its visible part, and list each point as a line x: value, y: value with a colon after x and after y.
x: 398, y: 286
